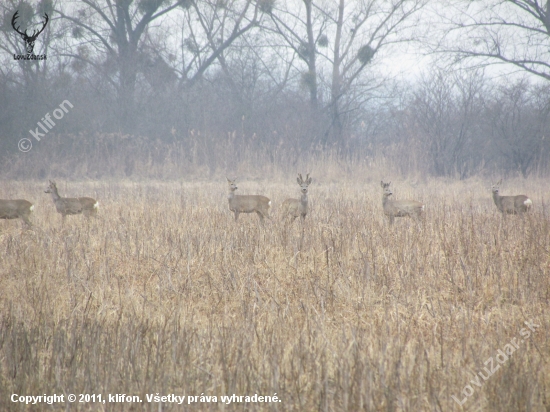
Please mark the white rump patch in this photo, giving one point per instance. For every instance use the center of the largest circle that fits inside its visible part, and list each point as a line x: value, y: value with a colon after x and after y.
x: 422, y: 208
x: 269, y: 204
x: 528, y: 203
x: 96, y: 205
x: 31, y: 208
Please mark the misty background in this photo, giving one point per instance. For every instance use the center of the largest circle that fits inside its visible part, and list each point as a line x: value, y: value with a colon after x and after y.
x: 165, y: 88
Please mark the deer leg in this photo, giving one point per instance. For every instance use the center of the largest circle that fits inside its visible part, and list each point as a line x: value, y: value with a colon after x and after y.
x: 301, y: 241
x: 236, y: 216
x: 418, y: 219
x: 26, y: 220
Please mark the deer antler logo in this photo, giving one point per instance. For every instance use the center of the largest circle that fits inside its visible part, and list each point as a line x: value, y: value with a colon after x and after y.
x: 29, y: 40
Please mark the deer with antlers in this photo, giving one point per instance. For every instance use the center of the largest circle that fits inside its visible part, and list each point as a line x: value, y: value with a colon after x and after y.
x: 294, y: 208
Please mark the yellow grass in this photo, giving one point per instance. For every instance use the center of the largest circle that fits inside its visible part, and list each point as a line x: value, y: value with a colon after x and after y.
x: 164, y: 293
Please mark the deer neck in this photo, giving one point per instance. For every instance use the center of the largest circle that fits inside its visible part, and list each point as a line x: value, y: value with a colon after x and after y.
x: 55, y: 195
x: 303, y: 199
x: 496, y: 198
x: 231, y: 195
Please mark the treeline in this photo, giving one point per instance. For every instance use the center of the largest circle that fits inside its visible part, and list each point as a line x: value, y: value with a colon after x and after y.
x: 217, y: 81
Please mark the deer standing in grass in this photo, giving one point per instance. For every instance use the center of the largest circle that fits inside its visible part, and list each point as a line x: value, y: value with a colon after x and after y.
x: 247, y: 203
x: 298, y: 207
x: 399, y: 208
x: 18, y: 208
x: 72, y: 205
x: 510, y: 204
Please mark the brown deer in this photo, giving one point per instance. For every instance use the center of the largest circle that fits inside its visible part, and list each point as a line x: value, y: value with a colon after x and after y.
x: 298, y: 207
x: 510, y: 204
x: 18, y: 208
x: 72, y: 206
x: 247, y: 203
x: 399, y: 208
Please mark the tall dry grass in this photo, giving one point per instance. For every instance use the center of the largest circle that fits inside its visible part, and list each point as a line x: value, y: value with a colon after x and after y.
x: 165, y: 293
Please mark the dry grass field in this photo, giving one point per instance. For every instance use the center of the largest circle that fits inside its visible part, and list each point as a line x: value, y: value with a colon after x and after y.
x: 163, y: 293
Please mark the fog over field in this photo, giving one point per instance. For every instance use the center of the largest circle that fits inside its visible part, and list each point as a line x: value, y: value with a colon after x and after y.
x: 270, y: 205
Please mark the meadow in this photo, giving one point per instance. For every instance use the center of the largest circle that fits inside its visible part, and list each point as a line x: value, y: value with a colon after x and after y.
x: 163, y: 293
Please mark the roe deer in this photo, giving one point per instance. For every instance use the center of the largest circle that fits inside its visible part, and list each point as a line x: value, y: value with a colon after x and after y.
x: 247, y: 203
x: 18, y: 208
x: 510, y: 204
x: 298, y: 207
x: 72, y: 205
x: 399, y: 208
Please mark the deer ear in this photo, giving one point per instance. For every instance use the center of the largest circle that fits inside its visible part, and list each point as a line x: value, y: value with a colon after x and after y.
x: 499, y: 182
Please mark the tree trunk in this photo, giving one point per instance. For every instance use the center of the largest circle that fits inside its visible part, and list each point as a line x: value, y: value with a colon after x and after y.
x: 336, y: 78
x: 311, y: 55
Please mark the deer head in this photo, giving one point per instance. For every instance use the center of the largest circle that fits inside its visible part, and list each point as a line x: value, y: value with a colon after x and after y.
x: 496, y: 186
x: 303, y: 183
x: 386, y: 188
x: 52, y: 188
x: 29, y: 40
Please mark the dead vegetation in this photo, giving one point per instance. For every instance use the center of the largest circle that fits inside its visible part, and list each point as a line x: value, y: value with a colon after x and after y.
x: 165, y: 293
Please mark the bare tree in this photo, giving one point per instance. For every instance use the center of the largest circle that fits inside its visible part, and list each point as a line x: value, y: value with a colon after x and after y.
x: 342, y: 39
x: 519, y: 117
x: 511, y: 32
x: 361, y: 32
x: 122, y: 45
x: 445, y: 111
x: 115, y: 29
x: 213, y: 26
x: 302, y: 29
